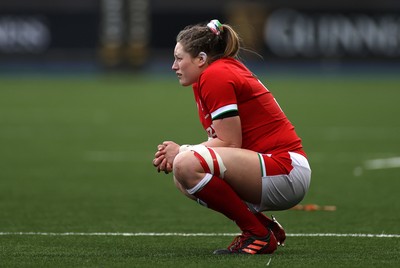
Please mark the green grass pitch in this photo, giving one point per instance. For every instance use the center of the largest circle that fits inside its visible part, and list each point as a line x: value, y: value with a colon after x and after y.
x: 75, y: 157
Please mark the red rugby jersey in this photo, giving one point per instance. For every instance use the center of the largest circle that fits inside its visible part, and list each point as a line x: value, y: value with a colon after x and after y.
x: 227, y: 85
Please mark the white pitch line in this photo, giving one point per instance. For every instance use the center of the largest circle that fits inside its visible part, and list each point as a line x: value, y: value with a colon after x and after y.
x: 376, y: 164
x: 194, y: 234
x: 346, y: 235
x: 382, y: 163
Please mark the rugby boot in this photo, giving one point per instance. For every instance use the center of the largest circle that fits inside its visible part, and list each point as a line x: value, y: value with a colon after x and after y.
x: 274, y: 226
x: 249, y: 244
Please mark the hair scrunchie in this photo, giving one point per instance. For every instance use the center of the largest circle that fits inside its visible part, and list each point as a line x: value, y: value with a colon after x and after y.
x: 215, y: 26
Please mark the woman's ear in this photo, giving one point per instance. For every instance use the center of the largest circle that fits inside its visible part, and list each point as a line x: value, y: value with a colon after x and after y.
x: 203, y: 58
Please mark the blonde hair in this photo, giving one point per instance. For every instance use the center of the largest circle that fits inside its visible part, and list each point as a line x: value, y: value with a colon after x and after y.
x: 199, y: 38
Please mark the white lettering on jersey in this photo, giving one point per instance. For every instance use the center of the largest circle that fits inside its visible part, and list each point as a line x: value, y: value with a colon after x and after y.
x: 211, y: 132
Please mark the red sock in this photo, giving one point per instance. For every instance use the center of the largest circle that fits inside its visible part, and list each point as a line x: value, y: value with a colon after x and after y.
x: 263, y: 219
x: 219, y: 196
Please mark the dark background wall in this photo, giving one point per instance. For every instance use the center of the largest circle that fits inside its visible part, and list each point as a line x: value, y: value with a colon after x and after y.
x: 136, y: 33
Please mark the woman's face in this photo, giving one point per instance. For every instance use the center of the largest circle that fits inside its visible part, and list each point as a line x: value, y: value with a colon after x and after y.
x: 187, y: 69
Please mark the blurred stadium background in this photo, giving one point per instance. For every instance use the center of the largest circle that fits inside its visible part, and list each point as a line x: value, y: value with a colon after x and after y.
x: 98, y: 35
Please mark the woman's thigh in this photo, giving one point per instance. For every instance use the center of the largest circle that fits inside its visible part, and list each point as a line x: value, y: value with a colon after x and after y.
x: 243, y: 172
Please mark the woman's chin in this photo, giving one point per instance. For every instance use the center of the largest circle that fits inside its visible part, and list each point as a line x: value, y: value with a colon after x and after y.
x: 184, y: 83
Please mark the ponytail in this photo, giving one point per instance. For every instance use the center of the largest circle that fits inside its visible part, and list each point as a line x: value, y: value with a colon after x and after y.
x: 232, y: 41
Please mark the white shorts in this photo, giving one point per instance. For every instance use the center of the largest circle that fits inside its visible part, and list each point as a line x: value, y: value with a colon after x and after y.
x: 285, y: 181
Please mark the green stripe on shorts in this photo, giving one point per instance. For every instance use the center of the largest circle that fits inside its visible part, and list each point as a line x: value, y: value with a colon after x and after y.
x: 261, y: 165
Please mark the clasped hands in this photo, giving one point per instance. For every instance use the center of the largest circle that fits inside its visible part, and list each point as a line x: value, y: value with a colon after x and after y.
x: 165, y: 155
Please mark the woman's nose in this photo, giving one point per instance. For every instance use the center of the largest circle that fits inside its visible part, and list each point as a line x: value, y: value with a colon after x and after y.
x: 174, y: 66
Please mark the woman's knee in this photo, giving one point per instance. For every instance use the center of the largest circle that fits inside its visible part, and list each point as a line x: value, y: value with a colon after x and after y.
x: 181, y: 164
x: 186, y: 169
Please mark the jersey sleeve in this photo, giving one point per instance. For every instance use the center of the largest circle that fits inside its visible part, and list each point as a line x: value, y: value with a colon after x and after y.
x: 217, y: 89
